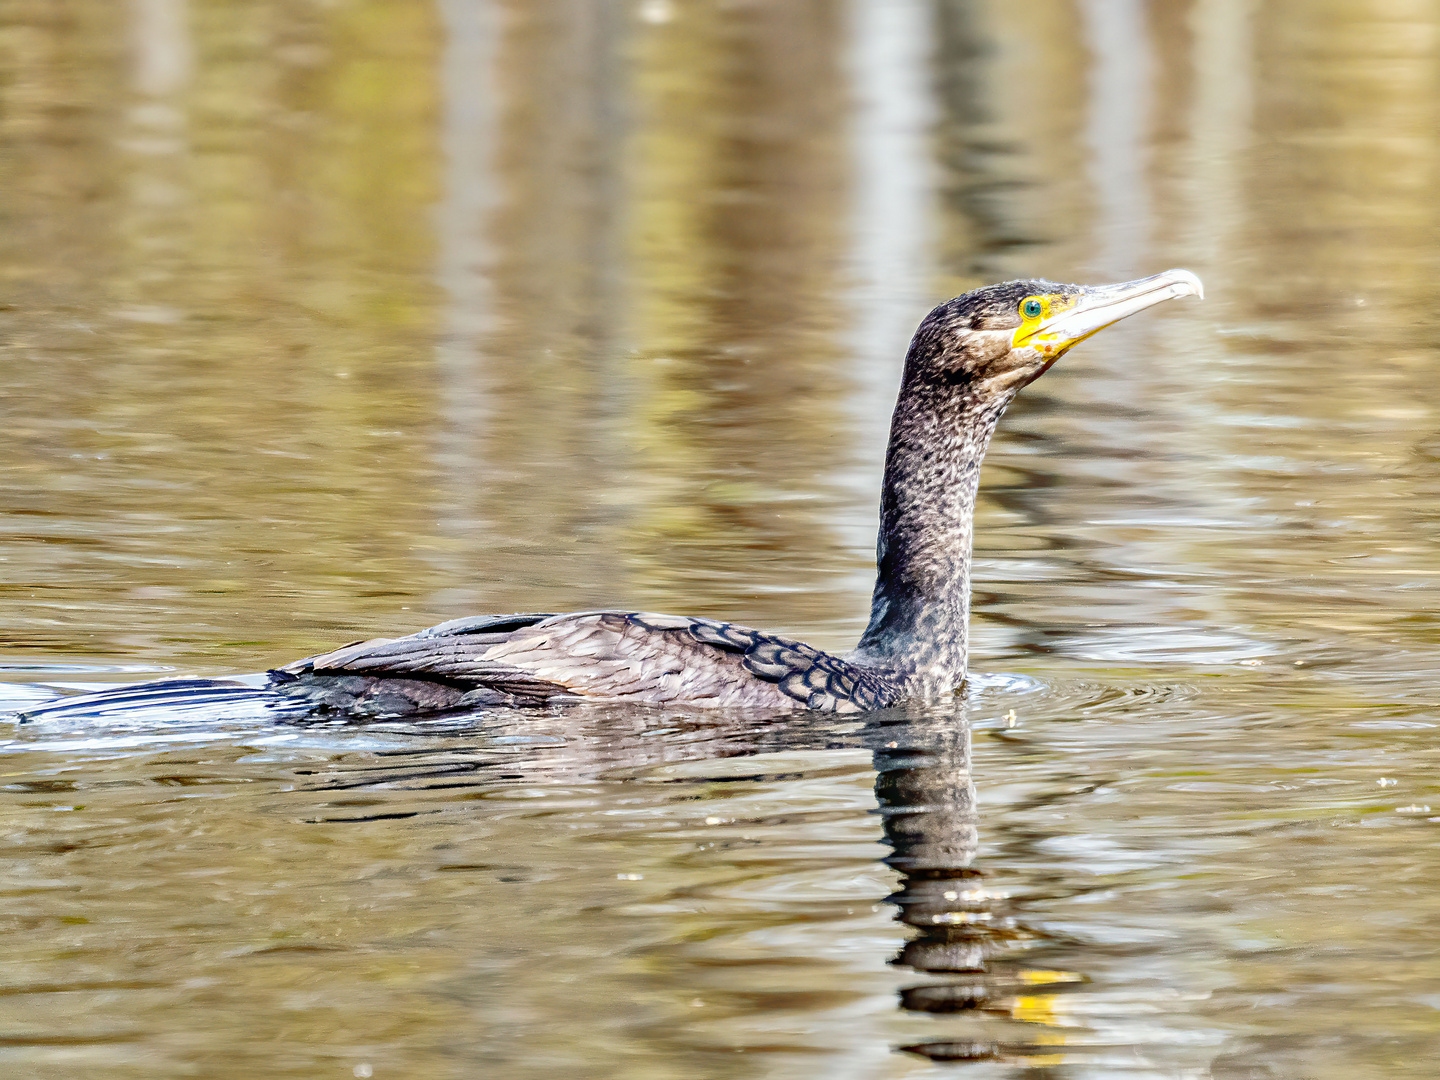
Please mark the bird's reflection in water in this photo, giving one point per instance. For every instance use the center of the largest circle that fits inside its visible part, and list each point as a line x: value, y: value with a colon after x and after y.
x: 971, y: 946
x: 969, y: 941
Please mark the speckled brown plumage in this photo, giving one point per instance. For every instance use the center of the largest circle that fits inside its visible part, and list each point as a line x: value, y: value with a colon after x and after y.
x: 592, y: 655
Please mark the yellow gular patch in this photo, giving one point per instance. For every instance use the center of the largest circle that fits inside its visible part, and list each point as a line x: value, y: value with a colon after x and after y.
x: 1035, y: 311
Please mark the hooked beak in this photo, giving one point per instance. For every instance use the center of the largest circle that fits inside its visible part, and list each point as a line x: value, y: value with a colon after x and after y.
x: 1105, y: 305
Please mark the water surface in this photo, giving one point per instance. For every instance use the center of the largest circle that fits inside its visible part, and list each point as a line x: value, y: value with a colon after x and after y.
x: 334, y: 319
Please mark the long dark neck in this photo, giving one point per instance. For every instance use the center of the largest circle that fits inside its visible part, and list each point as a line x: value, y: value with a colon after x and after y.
x: 921, y: 606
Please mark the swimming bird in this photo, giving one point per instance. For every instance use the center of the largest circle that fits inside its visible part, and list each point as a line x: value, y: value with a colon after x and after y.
x: 967, y: 361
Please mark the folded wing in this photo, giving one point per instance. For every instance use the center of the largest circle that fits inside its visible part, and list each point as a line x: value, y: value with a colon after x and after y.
x: 592, y: 656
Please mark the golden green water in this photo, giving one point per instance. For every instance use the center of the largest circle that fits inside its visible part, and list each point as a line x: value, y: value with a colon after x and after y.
x: 333, y: 318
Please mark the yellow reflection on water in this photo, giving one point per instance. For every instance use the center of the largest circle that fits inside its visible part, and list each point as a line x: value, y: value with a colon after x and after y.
x: 738, y: 173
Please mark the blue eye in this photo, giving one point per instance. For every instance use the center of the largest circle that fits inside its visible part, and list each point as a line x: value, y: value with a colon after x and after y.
x: 1031, y: 308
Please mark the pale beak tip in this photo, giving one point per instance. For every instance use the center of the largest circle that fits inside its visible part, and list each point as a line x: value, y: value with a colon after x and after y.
x: 1193, y: 285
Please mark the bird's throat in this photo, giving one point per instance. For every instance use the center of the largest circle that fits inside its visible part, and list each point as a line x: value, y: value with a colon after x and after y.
x: 921, y: 605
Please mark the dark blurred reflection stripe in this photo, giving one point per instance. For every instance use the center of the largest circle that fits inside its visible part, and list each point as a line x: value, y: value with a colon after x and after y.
x: 737, y: 237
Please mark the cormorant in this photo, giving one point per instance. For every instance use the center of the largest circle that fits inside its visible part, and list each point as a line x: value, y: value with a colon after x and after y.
x: 966, y: 362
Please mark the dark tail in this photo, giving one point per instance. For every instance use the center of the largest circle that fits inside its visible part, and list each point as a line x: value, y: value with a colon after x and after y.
x: 179, y: 699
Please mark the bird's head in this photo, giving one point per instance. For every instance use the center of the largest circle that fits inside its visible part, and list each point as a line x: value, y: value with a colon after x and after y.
x: 999, y: 338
